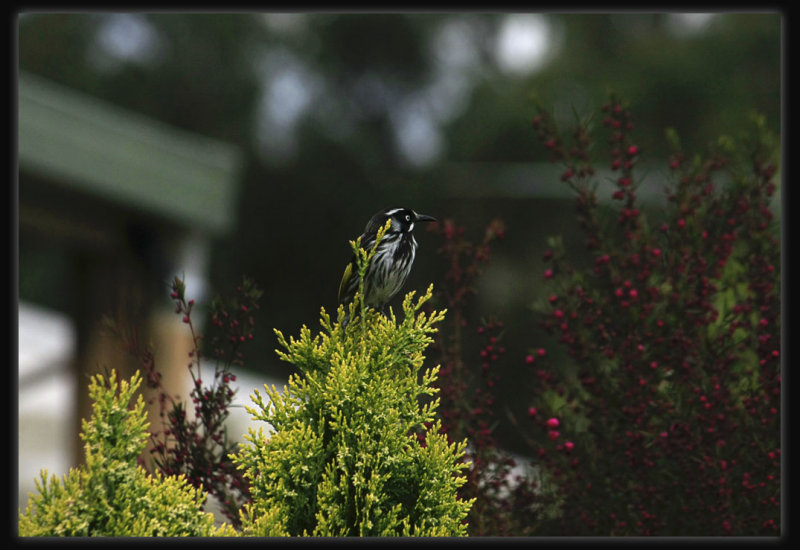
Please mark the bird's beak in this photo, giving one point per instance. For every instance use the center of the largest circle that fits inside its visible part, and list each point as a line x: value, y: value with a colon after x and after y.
x: 425, y: 218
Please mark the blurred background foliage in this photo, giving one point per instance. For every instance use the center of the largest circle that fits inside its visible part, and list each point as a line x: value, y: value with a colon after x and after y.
x: 340, y: 115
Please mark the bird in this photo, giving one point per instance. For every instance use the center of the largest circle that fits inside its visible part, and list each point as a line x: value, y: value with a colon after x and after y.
x: 391, y: 264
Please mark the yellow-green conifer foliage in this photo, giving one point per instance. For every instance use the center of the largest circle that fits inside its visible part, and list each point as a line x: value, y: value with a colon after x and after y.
x: 356, y: 449
x: 111, y: 495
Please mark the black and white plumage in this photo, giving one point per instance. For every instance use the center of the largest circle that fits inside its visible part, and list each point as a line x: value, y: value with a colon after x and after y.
x: 392, y: 262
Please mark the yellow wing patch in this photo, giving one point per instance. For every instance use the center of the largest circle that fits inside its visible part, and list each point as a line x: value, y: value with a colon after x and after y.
x: 348, y: 271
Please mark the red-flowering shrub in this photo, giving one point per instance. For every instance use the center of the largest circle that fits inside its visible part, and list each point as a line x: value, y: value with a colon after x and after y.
x: 506, y: 503
x: 197, y: 445
x: 668, y: 423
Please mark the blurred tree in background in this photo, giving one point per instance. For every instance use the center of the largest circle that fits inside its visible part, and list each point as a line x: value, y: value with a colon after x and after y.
x: 343, y: 114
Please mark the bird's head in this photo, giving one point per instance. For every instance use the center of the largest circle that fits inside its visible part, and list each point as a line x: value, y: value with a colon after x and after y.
x: 403, y: 220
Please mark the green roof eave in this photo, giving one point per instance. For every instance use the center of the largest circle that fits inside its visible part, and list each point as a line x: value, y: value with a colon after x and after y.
x: 108, y: 152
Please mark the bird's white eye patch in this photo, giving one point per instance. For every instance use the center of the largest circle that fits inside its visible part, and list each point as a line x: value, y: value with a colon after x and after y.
x: 408, y: 217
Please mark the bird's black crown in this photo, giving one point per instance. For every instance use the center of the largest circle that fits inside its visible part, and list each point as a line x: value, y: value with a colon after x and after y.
x: 403, y: 220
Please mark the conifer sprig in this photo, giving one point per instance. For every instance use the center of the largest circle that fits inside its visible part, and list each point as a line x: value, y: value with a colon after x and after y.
x: 355, y: 448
